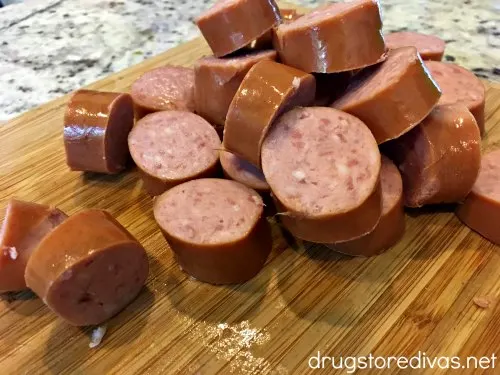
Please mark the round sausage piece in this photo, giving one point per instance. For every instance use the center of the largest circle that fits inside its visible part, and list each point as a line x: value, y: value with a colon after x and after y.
x: 24, y: 225
x: 481, y: 210
x: 88, y: 268
x: 439, y: 159
x: 323, y: 167
x: 268, y: 90
x: 242, y: 171
x: 430, y: 47
x: 216, y: 229
x: 393, y: 97
x: 459, y: 86
x: 164, y: 89
x: 172, y: 147
x: 333, y: 38
x: 391, y: 226
x: 230, y: 25
x: 217, y: 80
x: 96, y: 126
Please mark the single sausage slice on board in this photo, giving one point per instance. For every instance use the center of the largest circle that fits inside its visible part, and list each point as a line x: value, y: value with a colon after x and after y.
x: 268, y: 90
x: 323, y: 167
x: 333, y: 38
x: 172, y: 147
x: 430, y: 47
x: 391, y: 227
x: 439, y: 159
x: 216, y: 229
x: 230, y: 25
x: 164, y: 89
x: 244, y: 172
x: 481, y: 210
x: 460, y: 86
x: 24, y: 225
x: 88, y: 268
x: 393, y: 97
x: 217, y: 80
x: 96, y: 126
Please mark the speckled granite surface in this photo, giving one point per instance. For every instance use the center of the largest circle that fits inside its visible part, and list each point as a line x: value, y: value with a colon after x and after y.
x: 51, y: 47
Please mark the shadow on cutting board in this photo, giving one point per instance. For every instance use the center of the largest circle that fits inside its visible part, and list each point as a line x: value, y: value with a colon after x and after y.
x: 72, y: 342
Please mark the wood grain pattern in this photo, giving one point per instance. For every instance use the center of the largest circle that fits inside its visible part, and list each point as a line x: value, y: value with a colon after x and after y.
x: 416, y: 297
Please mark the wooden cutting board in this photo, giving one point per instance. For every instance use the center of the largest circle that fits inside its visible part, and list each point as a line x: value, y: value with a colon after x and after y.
x: 416, y: 297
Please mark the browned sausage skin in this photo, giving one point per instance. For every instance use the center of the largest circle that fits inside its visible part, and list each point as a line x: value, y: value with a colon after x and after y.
x: 164, y: 89
x: 439, y: 159
x: 323, y: 167
x: 24, y: 225
x: 268, y: 90
x: 216, y: 229
x: 333, y: 38
x: 392, y: 97
x: 217, y: 80
x: 481, y: 210
x: 391, y: 226
x: 230, y: 25
x: 87, y: 269
x: 96, y: 126
x: 172, y: 147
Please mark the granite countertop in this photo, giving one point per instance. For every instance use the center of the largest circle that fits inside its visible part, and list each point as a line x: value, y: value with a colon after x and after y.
x: 52, y: 47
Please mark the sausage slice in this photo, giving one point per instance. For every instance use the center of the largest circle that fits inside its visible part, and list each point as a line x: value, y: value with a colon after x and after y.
x: 323, y: 167
x: 266, y: 40
x: 391, y: 227
x: 440, y: 158
x: 96, y: 126
x: 333, y: 38
x: 172, y: 147
x: 268, y: 90
x: 217, y: 80
x: 393, y: 97
x: 459, y: 86
x: 216, y: 229
x: 430, y: 47
x: 230, y: 25
x: 88, y: 268
x: 481, y: 210
x: 164, y: 89
x: 24, y: 225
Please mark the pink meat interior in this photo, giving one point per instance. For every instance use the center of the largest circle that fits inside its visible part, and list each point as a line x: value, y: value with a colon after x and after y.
x: 209, y: 211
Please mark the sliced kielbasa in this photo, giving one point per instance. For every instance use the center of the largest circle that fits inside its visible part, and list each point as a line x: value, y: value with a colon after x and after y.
x: 323, y: 167
x: 216, y: 228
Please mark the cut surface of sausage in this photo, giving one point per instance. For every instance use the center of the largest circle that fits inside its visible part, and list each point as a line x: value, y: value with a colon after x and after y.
x: 333, y: 38
x: 24, y: 225
x: 230, y: 25
x: 430, y: 47
x: 242, y: 171
x: 268, y: 90
x: 96, y: 126
x: 172, y: 147
x: 459, y: 86
x: 439, y: 159
x: 393, y: 97
x: 391, y: 226
x: 216, y: 229
x: 87, y: 269
x: 323, y: 167
x: 163, y: 89
x: 481, y: 210
x: 217, y: 80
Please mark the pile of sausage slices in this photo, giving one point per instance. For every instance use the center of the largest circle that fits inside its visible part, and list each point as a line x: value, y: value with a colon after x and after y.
x: 326, y: 125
